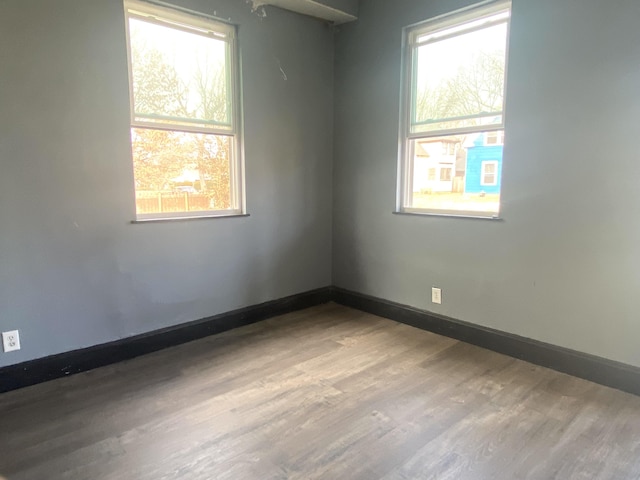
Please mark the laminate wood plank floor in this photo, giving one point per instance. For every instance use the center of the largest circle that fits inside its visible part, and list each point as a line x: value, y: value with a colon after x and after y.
x: 324, y: 393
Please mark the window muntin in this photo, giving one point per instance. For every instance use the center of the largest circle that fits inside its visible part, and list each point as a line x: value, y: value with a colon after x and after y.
x: 454, y: 94
x: 185, y: 129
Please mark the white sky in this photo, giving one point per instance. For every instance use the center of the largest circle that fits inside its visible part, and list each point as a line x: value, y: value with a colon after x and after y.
x: 182, y: 48
x: 441, y: 60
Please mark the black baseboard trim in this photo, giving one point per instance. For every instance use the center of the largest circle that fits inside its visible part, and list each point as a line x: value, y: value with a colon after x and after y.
x: 44, y: 369
x: 589, y: 367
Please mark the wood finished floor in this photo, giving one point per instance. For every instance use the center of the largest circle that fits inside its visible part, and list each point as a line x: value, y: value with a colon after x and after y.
x: 325, y: 393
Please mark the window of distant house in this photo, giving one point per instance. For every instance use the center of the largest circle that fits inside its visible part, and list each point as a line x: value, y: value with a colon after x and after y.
x: 185, y: 125
x: 494, y: 138
x: 489, y: 173
x: 453, y: 113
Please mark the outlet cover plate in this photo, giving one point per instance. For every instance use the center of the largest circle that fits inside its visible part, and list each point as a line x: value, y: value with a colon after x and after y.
x: 436, y: 295
x: 11, y: 341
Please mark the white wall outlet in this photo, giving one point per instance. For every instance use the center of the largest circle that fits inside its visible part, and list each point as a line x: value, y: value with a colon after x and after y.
x: 436, y: 295
x: 11, y: 340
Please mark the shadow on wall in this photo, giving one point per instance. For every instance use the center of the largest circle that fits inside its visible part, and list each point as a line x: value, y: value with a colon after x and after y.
x: 281, y: 270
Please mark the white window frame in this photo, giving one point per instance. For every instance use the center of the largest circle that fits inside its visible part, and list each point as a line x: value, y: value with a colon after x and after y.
x: 200, y: 24
x: 431, y: 30
x: 483, y: 173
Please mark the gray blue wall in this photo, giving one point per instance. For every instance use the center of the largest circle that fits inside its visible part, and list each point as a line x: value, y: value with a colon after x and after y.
x: 74, y: 271
x: 564, y: 265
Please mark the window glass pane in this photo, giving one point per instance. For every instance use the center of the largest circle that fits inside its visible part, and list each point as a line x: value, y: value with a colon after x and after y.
x: 489, y: 170
x: 181, y: 172
x: 459, y: 81
x: 467, y: 178
x: 179, y: 77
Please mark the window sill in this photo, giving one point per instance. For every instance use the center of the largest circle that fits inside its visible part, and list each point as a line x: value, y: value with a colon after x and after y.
x: 186, y: 219
x: 464, y: 215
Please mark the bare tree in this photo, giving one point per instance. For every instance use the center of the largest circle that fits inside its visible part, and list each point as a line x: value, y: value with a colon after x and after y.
x: 214, y: 150
x: 161, y: 156
x: 476, y: 87
x: 157, y: 88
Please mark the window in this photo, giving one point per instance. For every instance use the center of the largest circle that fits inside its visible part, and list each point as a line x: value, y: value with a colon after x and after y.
x: 185, y: 125
x: 448, y: 148
x: 494, y: 138
x: 445, y: 174
x: 454, y: 82
x: 489, y: 173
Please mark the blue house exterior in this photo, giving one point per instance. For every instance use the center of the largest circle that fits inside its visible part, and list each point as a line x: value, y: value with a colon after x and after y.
x: 484, y: 167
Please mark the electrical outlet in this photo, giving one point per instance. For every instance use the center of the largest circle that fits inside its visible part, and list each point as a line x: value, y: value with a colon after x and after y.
x: 436, y: 295
x: 11, y: 341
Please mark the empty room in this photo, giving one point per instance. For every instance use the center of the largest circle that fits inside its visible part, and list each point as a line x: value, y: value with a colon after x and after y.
x: 319, y: 239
